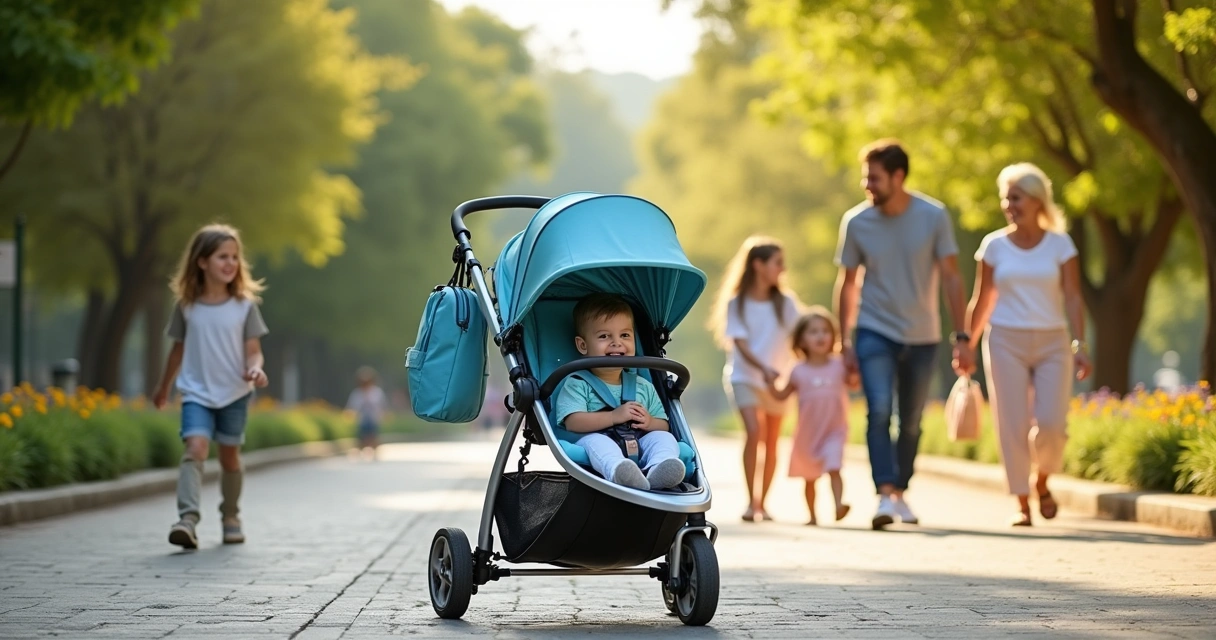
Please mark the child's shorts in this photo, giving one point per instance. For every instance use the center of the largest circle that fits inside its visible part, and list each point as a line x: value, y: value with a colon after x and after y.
x: 368, y: 429
x: 225, y: 425
x: 743, y: 395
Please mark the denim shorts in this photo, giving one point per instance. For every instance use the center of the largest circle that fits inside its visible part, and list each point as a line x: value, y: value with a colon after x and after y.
x: 225, y: 425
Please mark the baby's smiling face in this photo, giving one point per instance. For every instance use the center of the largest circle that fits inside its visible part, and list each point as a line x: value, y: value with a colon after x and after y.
x: 607, y: 336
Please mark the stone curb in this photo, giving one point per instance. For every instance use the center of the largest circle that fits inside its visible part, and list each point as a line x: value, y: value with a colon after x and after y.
x: 1186, y: 514
x: 35, y: 504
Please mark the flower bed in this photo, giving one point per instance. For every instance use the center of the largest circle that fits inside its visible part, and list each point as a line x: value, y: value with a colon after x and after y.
x: 57, y: 437
x: 1148, y: 440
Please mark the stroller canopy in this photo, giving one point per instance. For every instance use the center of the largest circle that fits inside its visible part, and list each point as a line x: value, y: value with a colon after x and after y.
x: 581, y: 243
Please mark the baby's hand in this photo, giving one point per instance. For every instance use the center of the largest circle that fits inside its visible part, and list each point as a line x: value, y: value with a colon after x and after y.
x: 640, y: 417
x: 622, y: 414
x: 853, y: 380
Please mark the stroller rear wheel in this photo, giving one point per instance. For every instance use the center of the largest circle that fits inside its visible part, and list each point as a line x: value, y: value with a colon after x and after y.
x: 697, y: 600
x: 450, y: 573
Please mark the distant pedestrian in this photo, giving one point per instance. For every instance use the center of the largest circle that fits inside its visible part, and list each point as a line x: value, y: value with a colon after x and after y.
x: 369, y: 405
x: 821, y: 381
x: 894, y: 250
x: 752, y: 318
x: 1168, y: 378
x: 1027, y: 293
x: 217, y: 330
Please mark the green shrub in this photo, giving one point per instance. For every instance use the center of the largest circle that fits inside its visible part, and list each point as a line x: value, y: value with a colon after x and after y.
x: 162, y: 432
x: 1145, y: 455
x: 279, y: 428
x: 1088, y: 439
x: 49, y: 457
x: 13, y: 463
x: 1197, y: 464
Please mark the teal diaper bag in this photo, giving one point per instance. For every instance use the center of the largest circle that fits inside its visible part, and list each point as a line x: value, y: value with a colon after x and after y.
x: 447, y: 364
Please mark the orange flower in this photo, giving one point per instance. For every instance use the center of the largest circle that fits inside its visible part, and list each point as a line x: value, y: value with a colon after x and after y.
x: 6, y: 421
x: 16, y: 410
x: 84, y: 413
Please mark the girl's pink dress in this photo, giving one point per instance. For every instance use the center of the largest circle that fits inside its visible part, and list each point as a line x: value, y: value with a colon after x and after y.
x: 823, y: 428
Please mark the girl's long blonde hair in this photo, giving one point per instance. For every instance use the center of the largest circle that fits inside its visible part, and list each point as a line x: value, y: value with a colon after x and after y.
x: 1034, y: 183
x: 189, y: 281
x: 738, y: 279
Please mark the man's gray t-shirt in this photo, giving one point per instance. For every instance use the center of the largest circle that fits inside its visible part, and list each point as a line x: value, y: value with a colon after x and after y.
x: 213, y: 354
x: 899, y: 293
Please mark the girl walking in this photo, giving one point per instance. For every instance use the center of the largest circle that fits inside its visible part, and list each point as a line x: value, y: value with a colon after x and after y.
x: 216, y: 360
x: 821, y: 380
x: 751, y: 320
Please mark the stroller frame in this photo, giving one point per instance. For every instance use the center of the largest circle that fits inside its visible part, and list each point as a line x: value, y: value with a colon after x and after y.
x: 691, y: 590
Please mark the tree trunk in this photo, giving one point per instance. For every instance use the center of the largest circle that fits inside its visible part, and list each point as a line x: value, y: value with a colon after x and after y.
x: 90, y: 337
x: 132, y: 289
x: 1172, y: 125
x: 1116, y: 323
x: 155, y: 317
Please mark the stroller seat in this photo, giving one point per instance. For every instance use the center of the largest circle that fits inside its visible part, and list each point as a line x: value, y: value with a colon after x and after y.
x: 555, y: 347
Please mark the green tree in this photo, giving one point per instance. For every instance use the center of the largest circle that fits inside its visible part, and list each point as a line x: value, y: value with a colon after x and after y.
x: 258, y: 99
x: 474, y: 117
x: 57, y: 54
x: 723, y: 173
x: 970, y: 87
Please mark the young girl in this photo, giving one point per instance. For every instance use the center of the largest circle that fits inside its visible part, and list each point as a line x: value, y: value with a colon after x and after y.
x: 216, y: 328
x: 821, y: 381
x: 751, y: 320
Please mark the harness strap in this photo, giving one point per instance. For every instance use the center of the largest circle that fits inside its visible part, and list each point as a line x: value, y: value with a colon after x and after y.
x: 624, y: 435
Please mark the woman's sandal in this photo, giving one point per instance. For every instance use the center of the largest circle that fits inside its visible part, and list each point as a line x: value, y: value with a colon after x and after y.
x: 1022, y: 519
x: 749, y: 515
x: 1047, y: 506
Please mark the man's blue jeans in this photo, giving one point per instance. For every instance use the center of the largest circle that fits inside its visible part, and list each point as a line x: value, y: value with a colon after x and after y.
x: 891, y: 370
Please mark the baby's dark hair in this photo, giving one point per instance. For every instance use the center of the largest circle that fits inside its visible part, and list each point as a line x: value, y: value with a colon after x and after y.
x: 599, y: 305
x: 816, y: 312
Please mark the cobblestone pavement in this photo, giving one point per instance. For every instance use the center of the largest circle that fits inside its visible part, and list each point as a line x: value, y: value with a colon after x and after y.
x: 337, y: 549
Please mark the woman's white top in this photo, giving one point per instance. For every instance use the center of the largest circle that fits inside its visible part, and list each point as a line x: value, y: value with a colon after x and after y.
x: 1029, y: 285
x: 767, y: 336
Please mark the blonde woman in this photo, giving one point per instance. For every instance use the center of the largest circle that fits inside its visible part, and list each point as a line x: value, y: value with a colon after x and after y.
x: 753, y: 315
x: 1028, y: 295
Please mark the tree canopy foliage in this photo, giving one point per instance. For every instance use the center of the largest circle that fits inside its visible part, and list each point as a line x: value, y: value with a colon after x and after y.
x: 243, y: 124
x: 474, y: 117
x: 971, y: 86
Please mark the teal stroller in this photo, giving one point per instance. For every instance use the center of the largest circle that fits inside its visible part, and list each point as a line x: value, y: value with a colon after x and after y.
x: 575, y: 522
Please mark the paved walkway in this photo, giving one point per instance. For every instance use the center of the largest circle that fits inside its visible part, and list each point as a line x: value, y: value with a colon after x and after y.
x: 337, y: 550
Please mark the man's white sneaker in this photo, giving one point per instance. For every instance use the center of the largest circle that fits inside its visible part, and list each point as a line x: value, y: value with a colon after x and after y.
x: 905, y: 512
x: 885, y: 514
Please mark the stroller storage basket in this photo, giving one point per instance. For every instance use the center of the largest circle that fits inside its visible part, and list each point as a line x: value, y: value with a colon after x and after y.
x: 547, y: 516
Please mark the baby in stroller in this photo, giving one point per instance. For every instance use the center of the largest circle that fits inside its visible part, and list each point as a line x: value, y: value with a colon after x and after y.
x: 627, y: 438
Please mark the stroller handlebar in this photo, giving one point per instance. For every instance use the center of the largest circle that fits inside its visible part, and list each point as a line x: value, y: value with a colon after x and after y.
x: 634, y: 362
x: 489, y: 204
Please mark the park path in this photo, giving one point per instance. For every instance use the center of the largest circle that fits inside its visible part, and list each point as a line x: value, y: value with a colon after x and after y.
x: 337, y: 549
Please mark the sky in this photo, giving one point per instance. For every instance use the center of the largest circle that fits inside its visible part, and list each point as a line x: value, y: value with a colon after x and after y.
x: 612, y: 36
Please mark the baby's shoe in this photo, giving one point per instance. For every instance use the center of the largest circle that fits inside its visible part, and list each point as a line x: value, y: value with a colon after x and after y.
x: 666, y: 474
x: 627, y: 473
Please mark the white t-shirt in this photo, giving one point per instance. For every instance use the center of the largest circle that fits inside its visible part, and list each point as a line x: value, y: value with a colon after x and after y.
x: 1028, y: 281
x: 213, y: 355
x: 368, y: 403
x: 766, y: 336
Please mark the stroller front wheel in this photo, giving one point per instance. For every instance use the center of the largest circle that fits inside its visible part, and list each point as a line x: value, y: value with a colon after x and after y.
x: 697, y: 600
x: 450, y: 573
